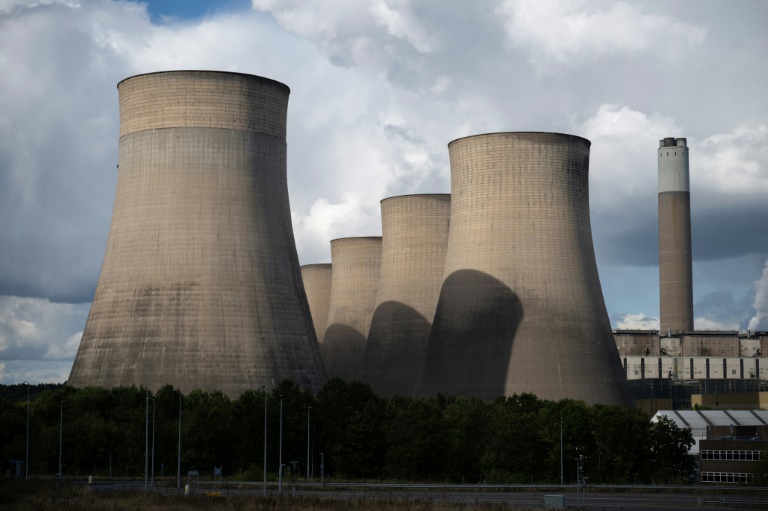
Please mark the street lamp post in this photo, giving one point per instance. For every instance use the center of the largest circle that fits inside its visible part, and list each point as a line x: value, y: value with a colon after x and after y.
x: 265, y: 439
x: 152, y: 470
x: 280, y: 468
x: 309, y: 411
x: 561, y: 450
x: 146, y: 429
x: 61, y: 427
x: 26, y: 461
x: 178, y: 466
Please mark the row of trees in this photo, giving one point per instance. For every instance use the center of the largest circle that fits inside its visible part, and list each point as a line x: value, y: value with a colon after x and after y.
x: 361, y: 435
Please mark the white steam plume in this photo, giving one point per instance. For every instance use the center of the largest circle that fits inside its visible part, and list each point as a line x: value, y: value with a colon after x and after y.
x: 761, y: 300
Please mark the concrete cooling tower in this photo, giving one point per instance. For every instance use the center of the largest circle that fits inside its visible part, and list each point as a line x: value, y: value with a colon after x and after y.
x: 521, y: 308
x: 356, y: 264
x: 675, y: 263
x: 200, y: 285
x: 414, y: 241
x: 317, y: 284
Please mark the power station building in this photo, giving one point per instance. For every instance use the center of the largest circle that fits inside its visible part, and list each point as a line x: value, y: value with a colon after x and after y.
x: 521, y: 307
x: 200, y: 285
x: 317, y: 284
x: 666, y: 367
x: 414, y: 243
x: 356, y: 267
x: 489, y: 291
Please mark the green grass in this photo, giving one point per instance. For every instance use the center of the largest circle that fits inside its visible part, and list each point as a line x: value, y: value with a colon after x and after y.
x: 42, y: 496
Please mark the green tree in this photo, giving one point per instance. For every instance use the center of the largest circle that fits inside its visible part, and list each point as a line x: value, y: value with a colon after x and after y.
x: 669, y: 451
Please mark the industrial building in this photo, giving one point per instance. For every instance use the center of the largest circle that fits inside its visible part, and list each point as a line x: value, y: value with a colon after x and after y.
x: 489, y: 291
x: 667, y: 367
x: 414, y: 242
x: 354, y: 282
x: 728, y: 443
x: 317, y: 285
x: 200, y: 285
x: 521, y: 307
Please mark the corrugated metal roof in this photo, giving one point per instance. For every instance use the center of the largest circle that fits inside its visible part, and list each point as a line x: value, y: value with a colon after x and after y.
x: 700, y: 419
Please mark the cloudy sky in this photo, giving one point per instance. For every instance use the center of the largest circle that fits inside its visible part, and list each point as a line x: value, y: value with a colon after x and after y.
x: 378, y: 89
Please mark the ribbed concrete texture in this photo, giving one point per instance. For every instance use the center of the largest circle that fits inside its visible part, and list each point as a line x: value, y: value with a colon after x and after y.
x: 414, y: 241
x: 317, y: 284
x: 200, y: 285
x: 356, y: 266
x: 521, y: 308
x: 675, y: 262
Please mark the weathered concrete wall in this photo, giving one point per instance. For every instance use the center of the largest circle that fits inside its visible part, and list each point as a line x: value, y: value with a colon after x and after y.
x: 414, y: 242
x: 317, y: 284
x: 521, y: 308
x: 200, y: 285
x: 356, y: 266
x: 675, y: 257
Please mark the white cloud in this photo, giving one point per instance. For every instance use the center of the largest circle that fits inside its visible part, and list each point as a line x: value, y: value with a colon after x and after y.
x: 637, y: 321
x: 568, y: 31
x: 401, y: 24
x: 734, y: 163
x: 33, y: 328
x: 711, y: 324
x: 48, y: 371
x: 623, y: 156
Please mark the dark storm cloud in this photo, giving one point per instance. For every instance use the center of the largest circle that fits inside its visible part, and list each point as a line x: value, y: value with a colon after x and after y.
x: 715, y: 235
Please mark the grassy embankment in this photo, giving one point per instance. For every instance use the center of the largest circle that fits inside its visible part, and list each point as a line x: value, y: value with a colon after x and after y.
x: 42, y: 496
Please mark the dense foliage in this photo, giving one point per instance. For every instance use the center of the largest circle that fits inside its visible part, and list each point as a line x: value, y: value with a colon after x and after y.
x: 361, y: 435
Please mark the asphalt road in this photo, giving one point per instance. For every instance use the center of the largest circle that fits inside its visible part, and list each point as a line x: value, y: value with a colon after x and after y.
x: 525, y: 499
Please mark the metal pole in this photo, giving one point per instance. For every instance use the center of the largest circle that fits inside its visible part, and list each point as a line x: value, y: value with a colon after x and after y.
x: 152, y: 480
x: 280, y: 470
x: 178, y: 466
x: 146, y: 429
x: 265, y: 439
x: 322, y: 469
x: 61, y: 427
x: 26, y: 461
x: 309, y: 411
x: 561, y: 450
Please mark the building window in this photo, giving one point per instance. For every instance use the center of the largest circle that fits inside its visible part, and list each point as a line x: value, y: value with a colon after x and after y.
x: 726, y: 477
x: 732, y: 455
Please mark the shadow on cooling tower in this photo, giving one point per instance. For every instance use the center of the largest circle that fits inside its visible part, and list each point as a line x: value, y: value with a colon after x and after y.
x: 342, y: 351
x: 470, y: 343
x: 394, y: 352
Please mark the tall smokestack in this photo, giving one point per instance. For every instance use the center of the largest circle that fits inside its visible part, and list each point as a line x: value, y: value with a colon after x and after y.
x: 521, y: 308
x: 675, y: 266
x: 317, y: 284
x: 356, y: 266
x: 200, y: 285
x: 414, y: 240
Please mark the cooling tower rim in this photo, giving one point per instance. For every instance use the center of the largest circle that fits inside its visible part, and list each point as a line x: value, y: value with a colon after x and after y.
x: 567, y: 135
x: 191, y: 71
x: 357, y: 238
x: 317, y: 265
x: 441, y: 195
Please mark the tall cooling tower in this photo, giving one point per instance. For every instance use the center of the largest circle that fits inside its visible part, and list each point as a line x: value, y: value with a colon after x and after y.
x: 414, y: 241
x: 675, y: 264
x: 200, y: 285
x: 521, y: 308
x: 356, y: 264
x: 317, y: 284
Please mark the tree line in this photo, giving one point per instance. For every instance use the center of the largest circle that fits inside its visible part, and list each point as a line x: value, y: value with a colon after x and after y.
x: 360, y: 435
